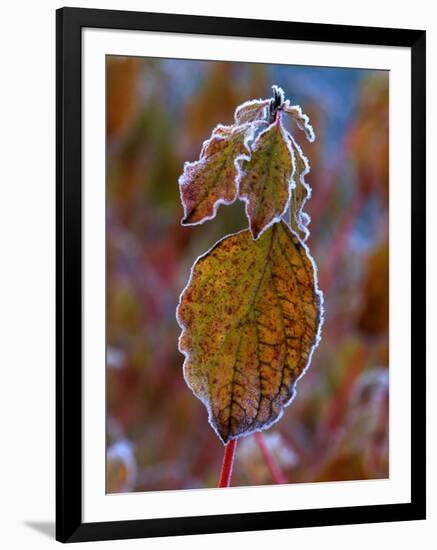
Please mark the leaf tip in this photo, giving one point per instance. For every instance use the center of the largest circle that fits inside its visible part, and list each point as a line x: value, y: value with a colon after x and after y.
x: 191, y: 217
x: 224, y: 437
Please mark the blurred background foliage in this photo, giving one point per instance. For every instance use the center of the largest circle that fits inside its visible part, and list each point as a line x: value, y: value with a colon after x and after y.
x: 159, y: 112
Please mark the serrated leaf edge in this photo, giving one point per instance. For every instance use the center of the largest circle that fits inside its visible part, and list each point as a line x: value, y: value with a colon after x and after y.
x: 302, y: 218
x: 248, y: 104
x: 302, y: 120
x: 250, y: 129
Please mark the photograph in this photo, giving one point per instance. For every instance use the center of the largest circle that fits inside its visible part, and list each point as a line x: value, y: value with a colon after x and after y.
x: 247, y: 274
x: 217, y: 293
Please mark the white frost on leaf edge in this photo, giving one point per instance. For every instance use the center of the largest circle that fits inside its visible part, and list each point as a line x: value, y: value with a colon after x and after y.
x: 249, y: 130
x: 302, y: 218
x: 302, y: 120
x: 260, y: 103
x: 291, y: 183
x: 318, y: 292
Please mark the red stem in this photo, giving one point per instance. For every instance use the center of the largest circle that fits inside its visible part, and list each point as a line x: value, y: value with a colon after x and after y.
x: 272, y: 464
x: 228, y: 462
x: 337, y: 406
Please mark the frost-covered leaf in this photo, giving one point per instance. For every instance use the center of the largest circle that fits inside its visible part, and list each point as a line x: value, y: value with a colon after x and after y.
x: 212, y: 179
x: 299, y: 220
x: 265, y: 179
x: 251, y: 111
x: 250, y: 318
x: 300, y: 118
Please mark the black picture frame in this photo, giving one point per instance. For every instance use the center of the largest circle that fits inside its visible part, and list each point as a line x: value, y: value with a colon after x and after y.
x: 69, y: 24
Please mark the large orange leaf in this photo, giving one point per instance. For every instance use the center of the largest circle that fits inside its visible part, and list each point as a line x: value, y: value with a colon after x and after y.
x: 250, y: 318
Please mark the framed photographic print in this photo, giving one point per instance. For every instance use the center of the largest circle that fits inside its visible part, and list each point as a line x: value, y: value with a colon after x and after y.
x: 240, y: 274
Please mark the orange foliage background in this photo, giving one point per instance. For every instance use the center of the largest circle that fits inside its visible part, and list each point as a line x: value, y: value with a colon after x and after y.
x: 159, y: 112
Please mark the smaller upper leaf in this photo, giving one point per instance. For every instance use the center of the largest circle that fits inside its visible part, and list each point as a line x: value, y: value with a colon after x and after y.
x: 212, y: 179
x: 299, y: 220
x: 301, y: 119
x: 265, y: 179
x: 251, y: 111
